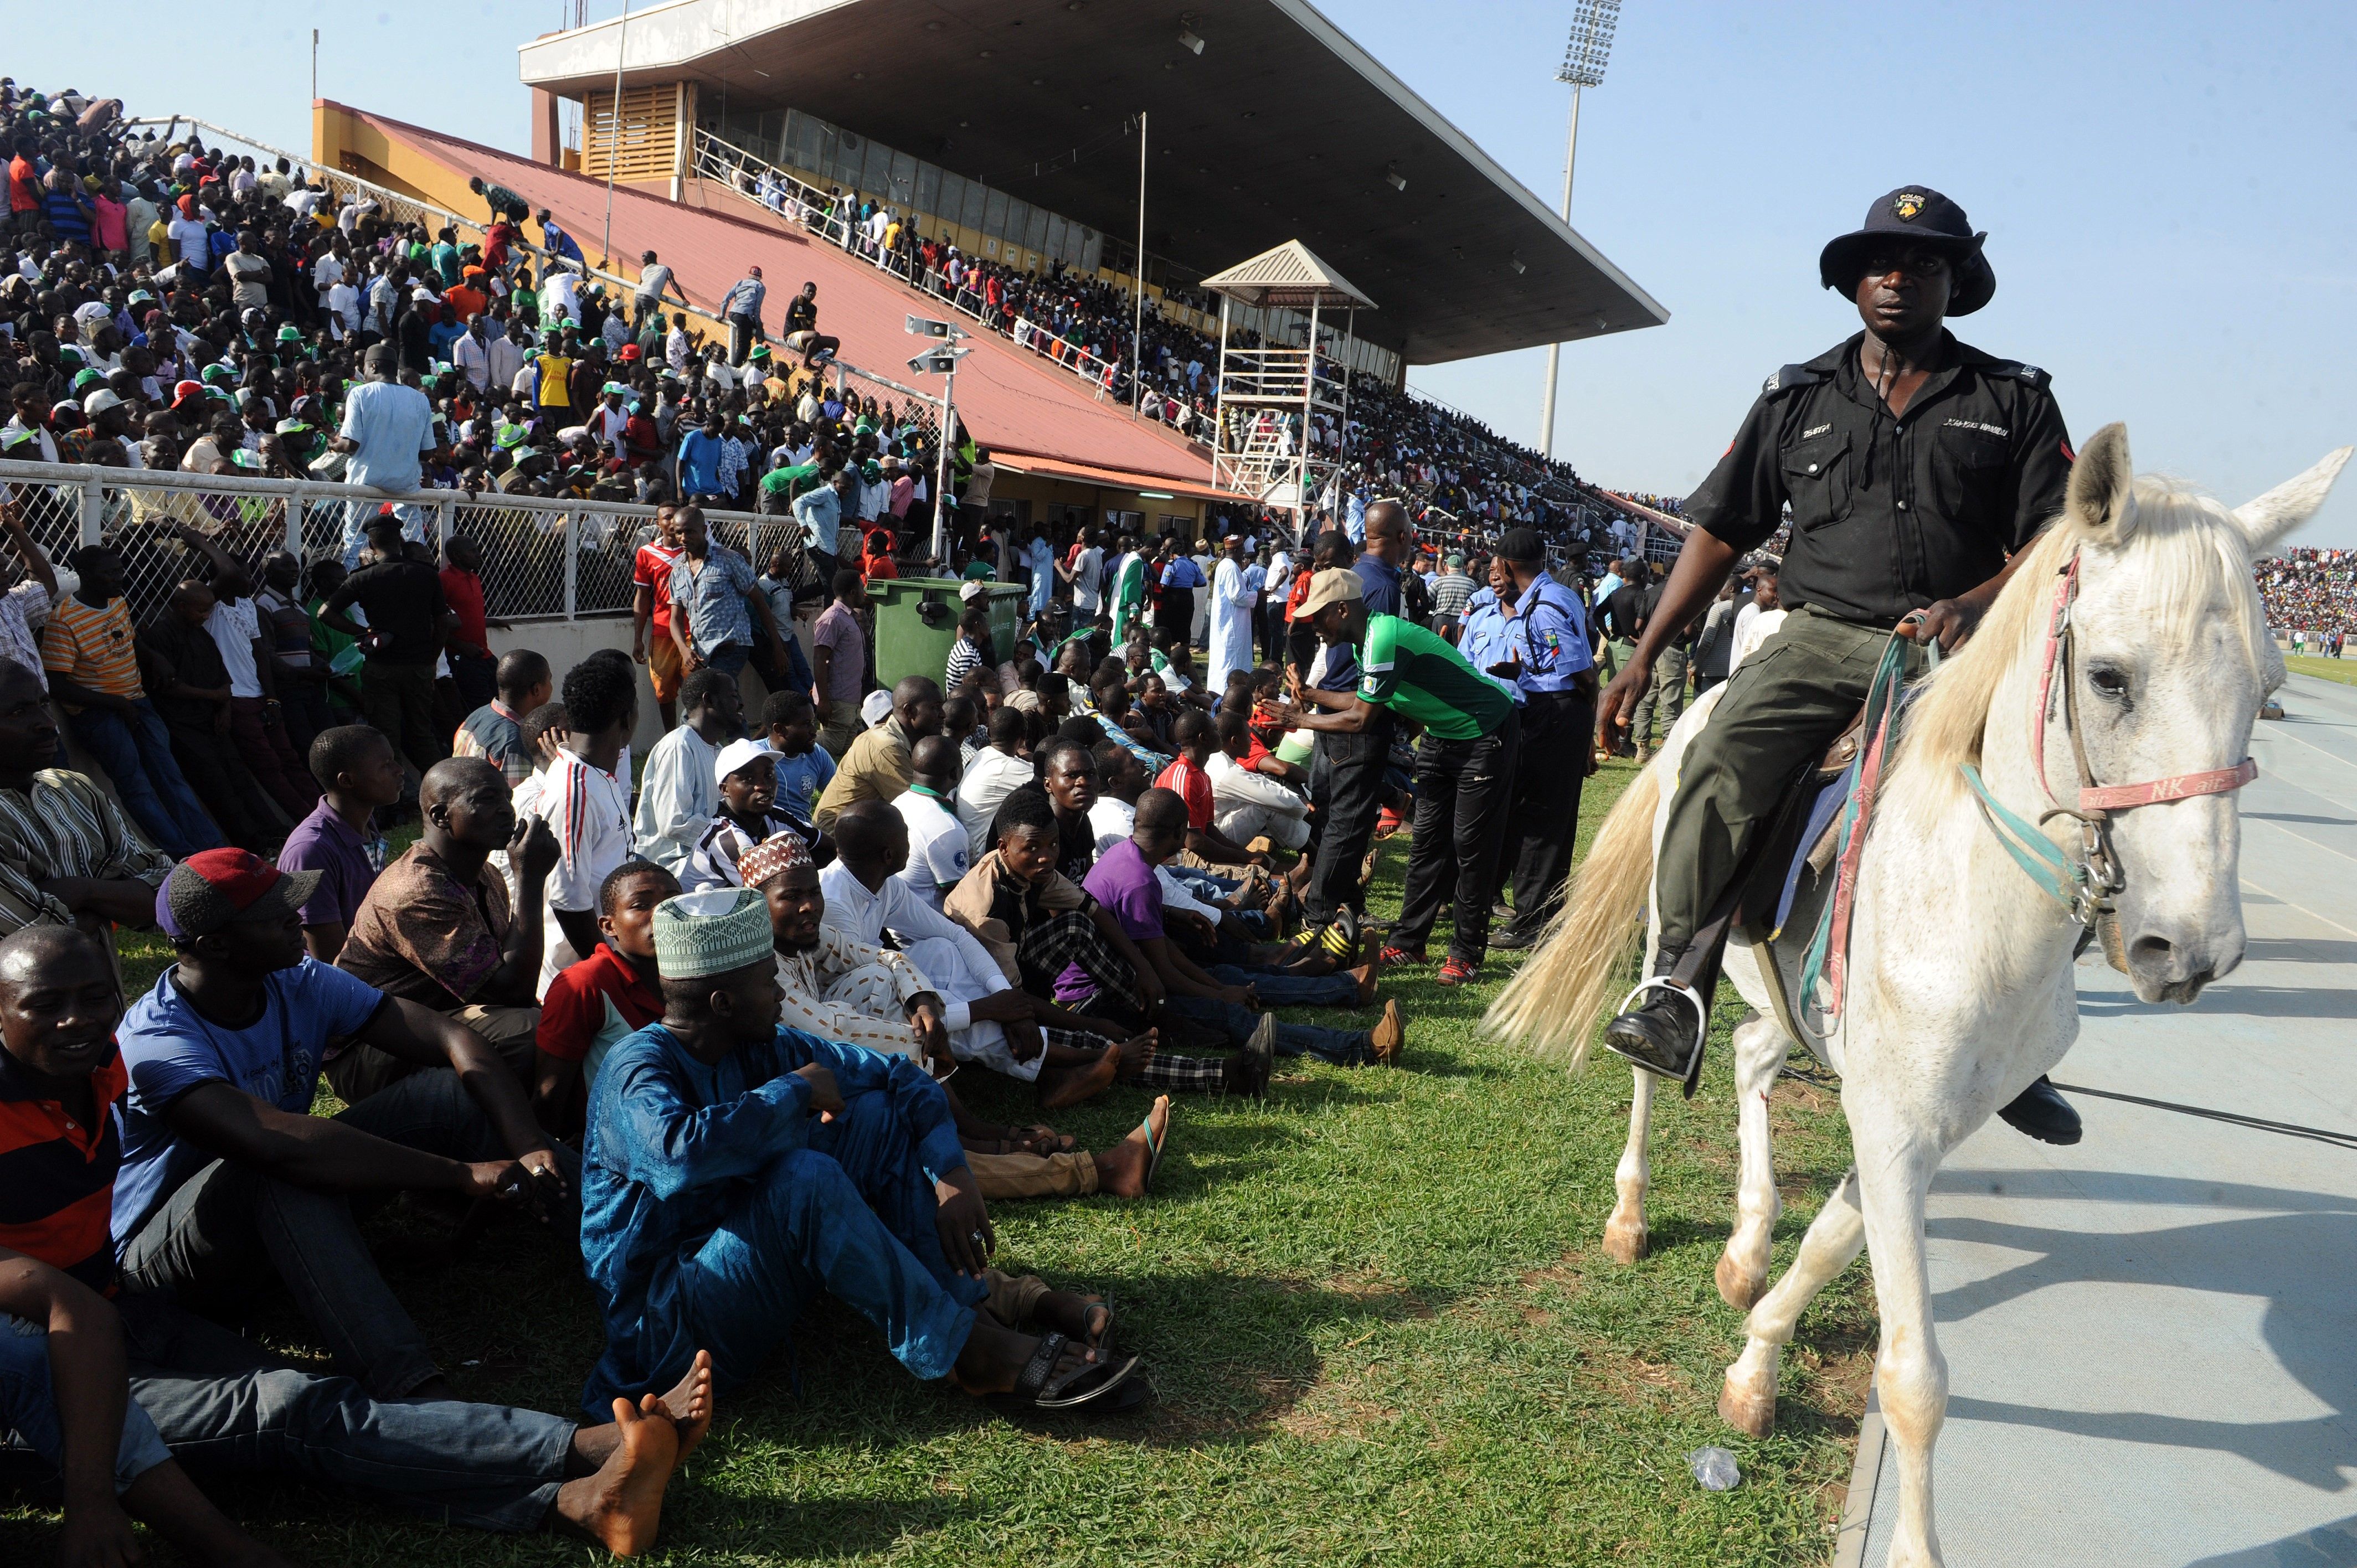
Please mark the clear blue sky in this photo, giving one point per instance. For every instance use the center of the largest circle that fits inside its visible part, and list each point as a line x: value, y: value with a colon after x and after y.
x: 2152, y: 175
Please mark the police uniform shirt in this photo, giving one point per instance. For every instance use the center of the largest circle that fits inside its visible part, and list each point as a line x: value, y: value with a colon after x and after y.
x: 1890, y: 514
x: 1486, y: 638
x: 1550, y: 638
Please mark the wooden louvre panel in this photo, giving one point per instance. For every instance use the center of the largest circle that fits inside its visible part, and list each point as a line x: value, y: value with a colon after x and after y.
x: 643, y: 146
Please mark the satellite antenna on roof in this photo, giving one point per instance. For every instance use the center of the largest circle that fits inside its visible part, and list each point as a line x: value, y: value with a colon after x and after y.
x: 1593, y: 23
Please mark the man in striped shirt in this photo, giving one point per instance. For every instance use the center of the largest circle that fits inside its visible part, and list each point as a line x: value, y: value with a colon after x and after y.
x: 67, y: 857
x: 87, y: 651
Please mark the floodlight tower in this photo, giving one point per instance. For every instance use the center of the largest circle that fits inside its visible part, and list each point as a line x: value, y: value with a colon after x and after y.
x: 1592, y: 25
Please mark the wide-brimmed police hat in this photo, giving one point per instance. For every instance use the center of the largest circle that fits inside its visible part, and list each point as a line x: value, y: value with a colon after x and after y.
x: 1919, y: 215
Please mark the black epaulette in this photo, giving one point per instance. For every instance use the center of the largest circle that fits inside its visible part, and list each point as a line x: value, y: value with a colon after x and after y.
x: 2015, y: 370
x: 1790, y: 377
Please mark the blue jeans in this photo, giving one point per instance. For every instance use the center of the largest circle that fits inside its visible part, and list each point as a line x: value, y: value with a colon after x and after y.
x: 1281, y: 990
x: 220, y: 1404
x: 28, y: 1408
x: 356, y: 520
x: 1344, y: 1047
x: 730, y: 658
x: 851, y: 1216
x: 136, y: 752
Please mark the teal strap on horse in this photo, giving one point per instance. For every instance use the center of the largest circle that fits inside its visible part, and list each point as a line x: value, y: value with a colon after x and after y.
x: 1824, y: 968
x: 2059, y: 877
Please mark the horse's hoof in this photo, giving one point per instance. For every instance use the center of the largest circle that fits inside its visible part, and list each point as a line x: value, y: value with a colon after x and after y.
x: 1624, y: 1240
x: 1752, y: 1414
x: 1738, y: 1287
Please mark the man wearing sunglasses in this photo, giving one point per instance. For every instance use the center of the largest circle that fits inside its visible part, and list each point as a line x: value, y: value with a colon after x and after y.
x: 1916, y: 468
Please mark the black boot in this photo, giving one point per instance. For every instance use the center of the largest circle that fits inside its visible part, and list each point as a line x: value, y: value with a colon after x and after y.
x: 1661, y: 1033
x: 2044, y: 1114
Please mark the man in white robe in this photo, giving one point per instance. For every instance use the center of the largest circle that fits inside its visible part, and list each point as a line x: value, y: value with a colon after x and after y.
x: 1232, y: 603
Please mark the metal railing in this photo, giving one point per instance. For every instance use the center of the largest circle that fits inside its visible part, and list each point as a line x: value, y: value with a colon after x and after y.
x: 543, y: 558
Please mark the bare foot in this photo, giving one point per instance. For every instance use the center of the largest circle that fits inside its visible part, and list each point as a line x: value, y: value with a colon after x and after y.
x: 1073, y: 1085
x: 689, y: 1406
x: 1121, y: 1170
x: 619, y: 1506
x: 1137, y: 1051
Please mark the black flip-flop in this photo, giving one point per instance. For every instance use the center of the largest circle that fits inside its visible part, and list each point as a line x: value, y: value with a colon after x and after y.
x: 1040, y: 1387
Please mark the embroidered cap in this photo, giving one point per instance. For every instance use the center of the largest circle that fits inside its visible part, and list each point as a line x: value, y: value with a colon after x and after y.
x: 711, y: 932
x: 773, y: 856
x: 214, y: 886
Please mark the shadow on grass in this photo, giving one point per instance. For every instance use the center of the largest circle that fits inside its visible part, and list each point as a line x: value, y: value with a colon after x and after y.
x: 1229, y: 1357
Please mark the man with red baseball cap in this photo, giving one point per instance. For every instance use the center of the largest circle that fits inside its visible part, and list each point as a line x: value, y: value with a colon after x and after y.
x: 227, y: 1173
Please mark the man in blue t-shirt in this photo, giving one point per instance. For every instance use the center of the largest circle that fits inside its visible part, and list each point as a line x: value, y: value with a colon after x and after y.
x: 227, y: 1173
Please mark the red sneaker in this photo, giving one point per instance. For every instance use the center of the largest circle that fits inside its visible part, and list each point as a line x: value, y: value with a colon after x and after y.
x: 1387, y: 823
x: 1391, y: 955
x: 1457, y: 972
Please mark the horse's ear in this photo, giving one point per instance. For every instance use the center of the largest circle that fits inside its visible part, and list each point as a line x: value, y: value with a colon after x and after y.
x: 2269, y: 519
x: 2101, y: 493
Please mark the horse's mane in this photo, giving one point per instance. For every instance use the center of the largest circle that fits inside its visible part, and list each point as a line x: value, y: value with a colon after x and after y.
x: 2189, y: 554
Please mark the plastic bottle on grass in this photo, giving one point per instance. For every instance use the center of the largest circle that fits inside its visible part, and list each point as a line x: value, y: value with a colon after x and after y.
x: 1715, y: 1468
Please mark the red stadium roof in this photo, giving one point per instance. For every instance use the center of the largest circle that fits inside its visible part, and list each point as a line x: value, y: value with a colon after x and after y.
x: 1013, y: 402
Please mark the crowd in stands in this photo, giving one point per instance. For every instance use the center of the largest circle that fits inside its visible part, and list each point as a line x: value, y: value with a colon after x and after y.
x: 2311, y: 595
x: 1455, y: 470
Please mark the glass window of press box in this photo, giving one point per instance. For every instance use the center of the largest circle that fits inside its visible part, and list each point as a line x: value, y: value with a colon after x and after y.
x: 827, y: 156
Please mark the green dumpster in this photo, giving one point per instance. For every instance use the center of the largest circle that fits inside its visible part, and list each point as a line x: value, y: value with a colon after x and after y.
x: 916, y: 623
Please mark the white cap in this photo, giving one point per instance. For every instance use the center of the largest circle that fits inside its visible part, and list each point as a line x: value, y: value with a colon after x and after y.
x: 736, y: 755
x: 99, y: 402
x: 972, y: 591
x: 877, y: 708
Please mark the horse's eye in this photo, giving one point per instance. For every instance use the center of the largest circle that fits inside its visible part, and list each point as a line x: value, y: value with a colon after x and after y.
x: 2111, y: 682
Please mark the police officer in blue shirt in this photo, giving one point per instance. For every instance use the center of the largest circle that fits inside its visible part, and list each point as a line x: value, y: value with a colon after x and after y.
x: 1542, y: 630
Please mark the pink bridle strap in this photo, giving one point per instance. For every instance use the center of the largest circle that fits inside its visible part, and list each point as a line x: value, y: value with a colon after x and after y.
x: 2184, y: 786
x: 2066, y: 590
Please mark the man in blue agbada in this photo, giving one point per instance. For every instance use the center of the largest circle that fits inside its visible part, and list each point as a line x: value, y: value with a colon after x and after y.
x: 734, y: 1169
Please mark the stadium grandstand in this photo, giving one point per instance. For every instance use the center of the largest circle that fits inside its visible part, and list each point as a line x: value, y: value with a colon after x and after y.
x: 757, y: 142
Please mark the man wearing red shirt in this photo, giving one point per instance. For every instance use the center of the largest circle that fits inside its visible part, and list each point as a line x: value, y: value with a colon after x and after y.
x: 470, y: 650
x: 23, y: 188
x: 650, y: 606
x: 1187, y: 779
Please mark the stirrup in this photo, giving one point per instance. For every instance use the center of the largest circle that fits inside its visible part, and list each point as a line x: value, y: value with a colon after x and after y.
x: 1663, y: 983
x: 1690, y: 1077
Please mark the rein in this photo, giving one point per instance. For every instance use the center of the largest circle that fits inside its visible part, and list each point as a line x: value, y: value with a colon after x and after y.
x: 2084, y: 886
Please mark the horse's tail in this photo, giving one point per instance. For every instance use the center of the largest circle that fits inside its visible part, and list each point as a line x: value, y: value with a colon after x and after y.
x: 1555, y: 1001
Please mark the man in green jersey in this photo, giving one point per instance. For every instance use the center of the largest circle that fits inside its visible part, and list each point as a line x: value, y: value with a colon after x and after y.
x: 1464, y: 763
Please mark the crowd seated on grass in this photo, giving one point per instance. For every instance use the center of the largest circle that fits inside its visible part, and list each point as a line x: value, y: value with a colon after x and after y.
x: 437, y: 934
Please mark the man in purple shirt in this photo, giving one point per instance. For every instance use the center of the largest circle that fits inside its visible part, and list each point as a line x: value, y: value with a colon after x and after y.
x: 359, y: 771
x: 839, y: 663
x: 1123, y: 880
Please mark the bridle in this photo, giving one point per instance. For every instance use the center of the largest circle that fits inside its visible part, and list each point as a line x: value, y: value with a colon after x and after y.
x: 2086, y: 886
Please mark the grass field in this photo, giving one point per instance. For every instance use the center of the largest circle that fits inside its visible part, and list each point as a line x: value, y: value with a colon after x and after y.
x: 1374, y: 1307
x: 2342, y: 669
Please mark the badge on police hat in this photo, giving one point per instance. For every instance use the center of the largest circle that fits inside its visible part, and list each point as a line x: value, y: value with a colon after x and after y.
x: 1908, y: 205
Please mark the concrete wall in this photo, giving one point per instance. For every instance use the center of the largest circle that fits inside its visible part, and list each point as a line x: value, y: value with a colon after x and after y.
x: 565, y: 643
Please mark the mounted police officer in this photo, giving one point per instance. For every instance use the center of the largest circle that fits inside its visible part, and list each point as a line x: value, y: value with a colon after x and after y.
x: 1917, y: 468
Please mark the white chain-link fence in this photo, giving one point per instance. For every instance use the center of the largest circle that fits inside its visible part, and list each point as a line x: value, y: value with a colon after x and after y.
x: 542, y: 559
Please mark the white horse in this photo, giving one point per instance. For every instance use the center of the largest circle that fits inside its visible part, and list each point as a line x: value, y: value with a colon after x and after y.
x: 2130, y: 646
